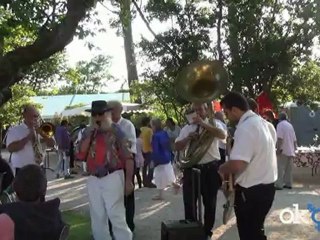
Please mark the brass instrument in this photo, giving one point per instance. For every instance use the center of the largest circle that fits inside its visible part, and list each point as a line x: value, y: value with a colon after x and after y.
x: 201, y: 82
x: 46, y: 129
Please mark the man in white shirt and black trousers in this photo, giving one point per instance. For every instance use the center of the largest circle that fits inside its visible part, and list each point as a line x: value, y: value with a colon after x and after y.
x: 210, y: 180
x: 128, y: 128
x: 253, y: 161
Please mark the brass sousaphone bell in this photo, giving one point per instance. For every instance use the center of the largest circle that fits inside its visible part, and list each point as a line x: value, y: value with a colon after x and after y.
x: 202, y: 81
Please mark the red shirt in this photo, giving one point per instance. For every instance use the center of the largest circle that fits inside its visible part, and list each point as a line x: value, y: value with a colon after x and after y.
x: 109, y: 150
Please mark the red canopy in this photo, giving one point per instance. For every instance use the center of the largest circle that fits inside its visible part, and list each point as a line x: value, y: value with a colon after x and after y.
x: 264, y: 102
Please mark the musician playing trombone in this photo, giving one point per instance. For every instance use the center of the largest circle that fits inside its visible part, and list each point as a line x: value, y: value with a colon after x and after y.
x: 201, y: 134
x: 24, y: 140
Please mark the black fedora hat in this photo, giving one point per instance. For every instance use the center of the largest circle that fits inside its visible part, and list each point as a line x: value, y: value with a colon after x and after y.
x: 99, y: 106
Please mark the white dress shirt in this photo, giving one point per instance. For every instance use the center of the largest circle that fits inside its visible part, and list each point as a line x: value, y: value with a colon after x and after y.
x: 254, y: 143
x: 213, y: 151
x: 223, y: 142
x: 129, y: 130
x: 26, y: 155
x: 286, y: 132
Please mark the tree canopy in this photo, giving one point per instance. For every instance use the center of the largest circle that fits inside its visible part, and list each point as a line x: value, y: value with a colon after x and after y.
x: 32, y: 31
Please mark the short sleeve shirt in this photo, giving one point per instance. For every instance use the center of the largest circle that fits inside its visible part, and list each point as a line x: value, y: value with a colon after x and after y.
x: 286, y: 132
x: 128, y: 128
x: 146, y: 136
x: 213, y: 151
x: 26, y: 155
x: 254, y: 143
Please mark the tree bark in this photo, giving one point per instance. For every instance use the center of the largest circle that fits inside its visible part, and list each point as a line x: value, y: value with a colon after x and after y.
x: 126, y: 21
x: 48, y: 42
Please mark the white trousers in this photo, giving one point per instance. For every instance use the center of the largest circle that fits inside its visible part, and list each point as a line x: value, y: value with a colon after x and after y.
x: 106, y: 201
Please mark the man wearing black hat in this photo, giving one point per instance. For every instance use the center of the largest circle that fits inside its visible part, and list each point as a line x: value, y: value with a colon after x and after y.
x: 106, y: 150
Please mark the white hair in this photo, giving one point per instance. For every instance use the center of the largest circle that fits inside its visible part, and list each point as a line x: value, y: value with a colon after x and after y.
x: 205, y: 105
x: 107, y: 122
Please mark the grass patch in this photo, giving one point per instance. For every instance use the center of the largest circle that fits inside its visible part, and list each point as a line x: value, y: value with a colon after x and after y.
x: 80, y: 227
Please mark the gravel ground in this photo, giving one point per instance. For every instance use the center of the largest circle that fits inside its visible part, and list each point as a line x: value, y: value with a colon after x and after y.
x: 149, y: 213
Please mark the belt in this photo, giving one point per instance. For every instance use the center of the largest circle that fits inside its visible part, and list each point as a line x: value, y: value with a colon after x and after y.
x: 259, y: 186
x: 214, y: 163
x: 106, y: 172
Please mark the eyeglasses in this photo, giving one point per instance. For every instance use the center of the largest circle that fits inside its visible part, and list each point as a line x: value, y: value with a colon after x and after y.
x: 97, y: 114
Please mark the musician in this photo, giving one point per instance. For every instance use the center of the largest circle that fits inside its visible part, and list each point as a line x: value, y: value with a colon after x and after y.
x: 208, y: 165
x: 107, y: 153
x: 253, y: 161
x: 24, y: 140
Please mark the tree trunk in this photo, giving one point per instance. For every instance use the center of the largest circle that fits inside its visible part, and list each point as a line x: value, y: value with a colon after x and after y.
x: 48, y: 42
x: 126, y: 21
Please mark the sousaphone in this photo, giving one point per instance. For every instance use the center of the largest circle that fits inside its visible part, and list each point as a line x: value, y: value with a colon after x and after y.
x: 201, y: 82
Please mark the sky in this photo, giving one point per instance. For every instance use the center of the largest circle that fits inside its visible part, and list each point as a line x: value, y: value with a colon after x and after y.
x: 112, y: 45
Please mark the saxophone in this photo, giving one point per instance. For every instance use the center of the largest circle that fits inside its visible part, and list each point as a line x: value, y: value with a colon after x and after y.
x: 37, y: 149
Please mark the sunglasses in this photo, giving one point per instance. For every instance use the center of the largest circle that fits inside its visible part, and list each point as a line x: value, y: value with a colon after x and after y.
x: 97, y: 114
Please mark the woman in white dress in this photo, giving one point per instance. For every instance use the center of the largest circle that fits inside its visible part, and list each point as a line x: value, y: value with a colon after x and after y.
x: 163, y: 175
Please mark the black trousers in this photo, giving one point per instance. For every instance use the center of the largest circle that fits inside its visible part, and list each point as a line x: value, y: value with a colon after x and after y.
x: 71, y: 153
x: 147, y: 171
x: 138, y: 176
x: 210, y: 182
x: 222, y: 155
x: 251, y: 208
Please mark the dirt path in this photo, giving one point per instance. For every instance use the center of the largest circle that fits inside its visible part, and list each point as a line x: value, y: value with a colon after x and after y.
x: 149, y: 214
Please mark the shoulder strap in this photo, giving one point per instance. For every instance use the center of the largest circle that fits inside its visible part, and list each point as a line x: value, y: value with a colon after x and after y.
x: 90, y: 143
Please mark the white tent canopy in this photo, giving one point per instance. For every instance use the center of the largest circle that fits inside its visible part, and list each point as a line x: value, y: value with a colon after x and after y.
x: 80, y: 111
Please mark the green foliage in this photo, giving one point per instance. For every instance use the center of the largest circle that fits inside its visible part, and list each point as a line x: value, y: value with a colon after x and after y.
x: 44, y: 74
x: 88, y: 77
x: 266, y: 38
x: 264, y: 43
x: 160, y: 98
x: 189, y: 41
x: 80, y: 228
x: 303, y: 83
x: 28, y: 24
x: 10, y: 112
